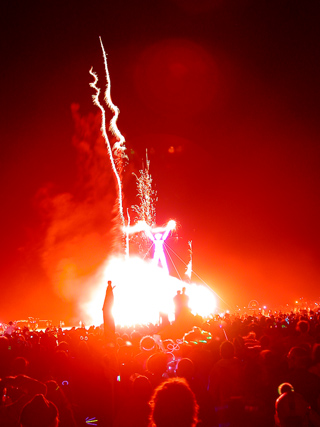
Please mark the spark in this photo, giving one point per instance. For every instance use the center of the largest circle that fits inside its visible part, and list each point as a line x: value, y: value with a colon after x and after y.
x: 143, y: 226
x: 136, y: 228
x: 147, y: 195
x: 113, y: 127
x: 169, y: 227
x: 145, y: 211
x: 127, y: 235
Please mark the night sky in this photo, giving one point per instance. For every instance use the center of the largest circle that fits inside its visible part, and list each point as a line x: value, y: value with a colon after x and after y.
x: 224, y: 95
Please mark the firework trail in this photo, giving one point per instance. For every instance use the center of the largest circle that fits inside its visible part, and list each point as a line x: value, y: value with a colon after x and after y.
x: 126, y: 230
x: 146, y: 210
x: 119, y: 146
x: 189, y: 266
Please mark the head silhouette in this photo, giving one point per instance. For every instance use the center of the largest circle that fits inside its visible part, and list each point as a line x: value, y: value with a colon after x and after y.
x: 173, y: 404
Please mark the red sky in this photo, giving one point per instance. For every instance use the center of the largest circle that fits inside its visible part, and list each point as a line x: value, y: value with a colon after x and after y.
x: 234, y: 89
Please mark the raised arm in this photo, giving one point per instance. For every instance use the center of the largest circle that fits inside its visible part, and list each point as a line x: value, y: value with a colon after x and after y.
x: 170, y: 226
x: 149, y: 234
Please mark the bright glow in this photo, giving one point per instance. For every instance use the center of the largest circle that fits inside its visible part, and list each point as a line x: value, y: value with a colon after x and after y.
x: 136, y: 228
x: 169, y: 227
x: 158, y: 237
x: 143, y: 290
x: 188, y: 272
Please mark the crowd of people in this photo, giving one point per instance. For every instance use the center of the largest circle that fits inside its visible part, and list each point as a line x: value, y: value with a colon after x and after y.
x: 250, y: 370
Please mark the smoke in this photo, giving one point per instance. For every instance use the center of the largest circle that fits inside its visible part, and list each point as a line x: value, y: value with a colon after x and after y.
x: 78, y: 224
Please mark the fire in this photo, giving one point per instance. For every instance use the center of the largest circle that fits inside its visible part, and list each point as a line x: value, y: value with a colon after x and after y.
x: 143, y: 290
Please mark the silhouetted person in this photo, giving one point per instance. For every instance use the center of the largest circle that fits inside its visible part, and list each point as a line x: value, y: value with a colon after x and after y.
x: 156, y: 367
x: 19, y: 366
x: 177, y: 301
x: 10, y: 328
x: 292, y: 410
x: 186, y: 369
x: 164, y: 319
x: 303, y: 381
x: 304, y: 337
x: 225, y: 382
x: 184, y: 302
x: 173, y: 404
x: 39, y: 412
x: 108, y: 319
x: 315, y: 358
x: 17, y: 392
x: 56, y: 395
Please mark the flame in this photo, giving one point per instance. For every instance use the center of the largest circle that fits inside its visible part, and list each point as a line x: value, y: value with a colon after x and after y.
x: 143, y: 290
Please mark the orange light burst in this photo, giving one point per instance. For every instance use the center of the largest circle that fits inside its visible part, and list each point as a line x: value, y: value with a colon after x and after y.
x: 143, y: 290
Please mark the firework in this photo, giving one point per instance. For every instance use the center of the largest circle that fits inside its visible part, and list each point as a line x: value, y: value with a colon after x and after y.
x: 119, y: 147
x: 146, y: 210
x: 188, y: 271
x: 138, y: 280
